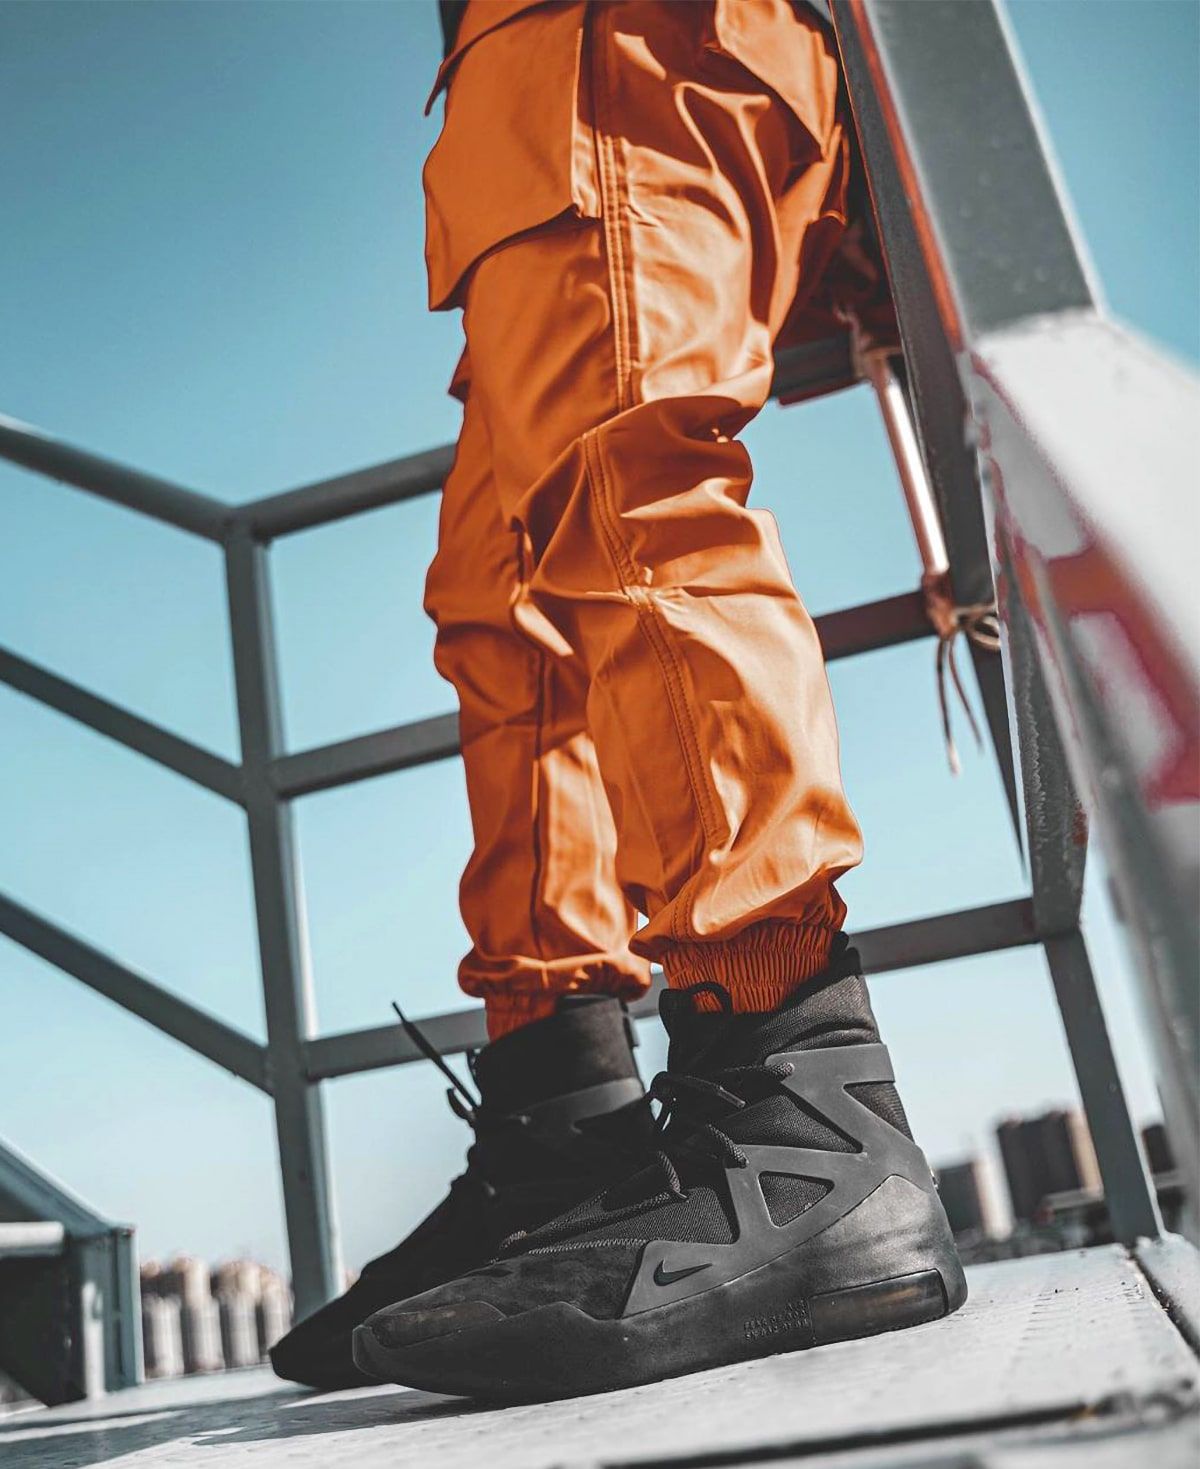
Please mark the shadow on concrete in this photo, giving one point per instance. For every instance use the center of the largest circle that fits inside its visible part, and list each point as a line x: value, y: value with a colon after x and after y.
x: 77, y: 1443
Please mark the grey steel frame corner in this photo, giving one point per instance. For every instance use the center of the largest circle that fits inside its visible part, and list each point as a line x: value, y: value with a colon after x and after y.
x: 71, y: 1325
x: 888, y: 49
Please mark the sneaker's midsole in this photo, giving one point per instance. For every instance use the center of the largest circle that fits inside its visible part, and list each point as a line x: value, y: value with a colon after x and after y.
x: 888, y: 1264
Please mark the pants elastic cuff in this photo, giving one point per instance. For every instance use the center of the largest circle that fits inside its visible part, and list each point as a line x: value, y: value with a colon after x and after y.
x: 760, y: 967
x: 508, y: 1009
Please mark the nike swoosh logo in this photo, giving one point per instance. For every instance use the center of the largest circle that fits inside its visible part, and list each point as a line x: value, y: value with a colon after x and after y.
x: 663, y: 1276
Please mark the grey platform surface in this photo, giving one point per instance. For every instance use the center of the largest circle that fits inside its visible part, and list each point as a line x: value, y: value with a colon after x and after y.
x: 1057, y: 1360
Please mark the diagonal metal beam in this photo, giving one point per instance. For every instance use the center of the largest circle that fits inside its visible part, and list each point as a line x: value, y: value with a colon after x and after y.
x: 351, y: 1051
x: 814, y: 369
x: 29, y: 447
x: 129, y: 730
x: 196, y: 1028
x: 1132, y: 1205
x: 806, y: 370
x: 874, y: 37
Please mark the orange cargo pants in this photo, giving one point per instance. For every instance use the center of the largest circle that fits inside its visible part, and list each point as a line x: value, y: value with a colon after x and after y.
x: 629, y: 200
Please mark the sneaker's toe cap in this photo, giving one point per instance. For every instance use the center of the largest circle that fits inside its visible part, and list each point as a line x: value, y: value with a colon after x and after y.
x: 410, y: 1322
x: 318, y: 1353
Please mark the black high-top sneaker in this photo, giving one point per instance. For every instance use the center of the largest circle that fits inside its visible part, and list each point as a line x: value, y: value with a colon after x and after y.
x: 561, y: 1113
x: 787, y: 1206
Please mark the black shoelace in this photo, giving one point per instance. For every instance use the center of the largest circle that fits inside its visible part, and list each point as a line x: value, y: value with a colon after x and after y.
x: 674, y: 1090
x: 490, y: 1128
x: 696, y: 1136
x: 465, y: 1104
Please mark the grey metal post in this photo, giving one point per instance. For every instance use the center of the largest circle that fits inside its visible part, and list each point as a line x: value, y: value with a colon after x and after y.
x: 1055, y: 824
x: 1057, y: 845
x: 282, y: 941
x: 1132, y: 1205
x: 977, y: 238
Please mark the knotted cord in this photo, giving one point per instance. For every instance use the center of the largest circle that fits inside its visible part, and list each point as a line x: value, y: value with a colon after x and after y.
x: 979, y: 623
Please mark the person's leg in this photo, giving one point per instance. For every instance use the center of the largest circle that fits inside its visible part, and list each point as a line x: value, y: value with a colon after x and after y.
x: 561, y: 1106
x: 613, y: 362
x: 539, y: 896
x: 788, y: 1204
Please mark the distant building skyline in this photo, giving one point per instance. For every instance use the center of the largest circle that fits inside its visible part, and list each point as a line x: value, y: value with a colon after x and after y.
x: 969, y: 1198
x: 198, y: 1317
x: 1050, y: 1153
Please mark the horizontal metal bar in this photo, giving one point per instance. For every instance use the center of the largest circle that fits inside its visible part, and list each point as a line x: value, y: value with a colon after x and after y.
x: 134, y: 733
x: 347, y: 494
x: 959, y: 935
x: 803, y: 370
x: 21, y: 443
x: 32, y: 1239
x: 921, y: 941
x: 806, y: 370
x: 365, y: 756
x: 198, y: 1030
x: 353, y: 1051
x: 882, y: 624
x: 813, y: 369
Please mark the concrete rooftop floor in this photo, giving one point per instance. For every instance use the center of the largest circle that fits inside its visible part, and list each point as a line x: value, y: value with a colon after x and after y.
x: 1057, y: 1360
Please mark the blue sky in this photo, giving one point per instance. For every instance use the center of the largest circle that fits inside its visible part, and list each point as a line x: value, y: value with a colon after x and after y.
x: 211, y: 269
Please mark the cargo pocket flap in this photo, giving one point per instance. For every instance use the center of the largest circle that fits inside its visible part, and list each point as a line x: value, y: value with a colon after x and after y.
x: 507, y: 159
x: 784, y: 45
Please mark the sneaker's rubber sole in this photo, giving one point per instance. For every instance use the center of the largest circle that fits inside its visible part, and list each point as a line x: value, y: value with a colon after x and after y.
x: 887, y: 1265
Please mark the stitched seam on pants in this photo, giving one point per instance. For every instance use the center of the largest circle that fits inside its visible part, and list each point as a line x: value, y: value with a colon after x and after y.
x: 612, y: 213
x: 538, y: 875
x: 650, y: 620
x: 537, y: 661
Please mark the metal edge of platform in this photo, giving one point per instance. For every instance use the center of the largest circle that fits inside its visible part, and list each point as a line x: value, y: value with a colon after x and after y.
x: 1172, y: 1267
x: 1057, y: 1361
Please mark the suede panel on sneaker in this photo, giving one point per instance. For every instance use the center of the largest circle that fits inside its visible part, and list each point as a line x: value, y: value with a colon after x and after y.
x: 522, y: 1169
x: 596, y: 1279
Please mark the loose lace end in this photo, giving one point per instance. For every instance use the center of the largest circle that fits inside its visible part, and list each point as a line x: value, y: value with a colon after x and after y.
x: 431, y: 1053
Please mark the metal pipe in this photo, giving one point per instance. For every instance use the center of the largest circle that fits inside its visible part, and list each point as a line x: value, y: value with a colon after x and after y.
x: 910, y: 463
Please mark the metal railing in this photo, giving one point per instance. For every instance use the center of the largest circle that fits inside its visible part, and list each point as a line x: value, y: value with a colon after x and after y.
x: 269, y: 777
x: 956, y: 300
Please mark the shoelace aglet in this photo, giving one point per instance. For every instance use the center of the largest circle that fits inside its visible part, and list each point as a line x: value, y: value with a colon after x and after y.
x: 431, y: 1053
